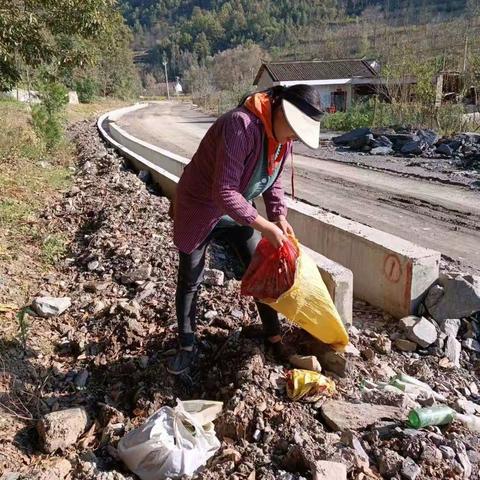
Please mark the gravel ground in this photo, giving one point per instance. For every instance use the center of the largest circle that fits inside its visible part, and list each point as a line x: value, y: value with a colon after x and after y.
x: 108, y: 353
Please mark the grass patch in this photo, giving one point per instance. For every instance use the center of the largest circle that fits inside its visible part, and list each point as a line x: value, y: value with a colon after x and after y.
x: 89, y: 111
x: 54, y: 247
x: 31, y: 178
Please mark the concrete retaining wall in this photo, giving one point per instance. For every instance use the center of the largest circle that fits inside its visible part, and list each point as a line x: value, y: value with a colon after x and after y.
x: 388, y: 272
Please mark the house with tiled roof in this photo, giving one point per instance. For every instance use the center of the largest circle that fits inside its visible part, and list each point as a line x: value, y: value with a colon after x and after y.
x: 339, y: 81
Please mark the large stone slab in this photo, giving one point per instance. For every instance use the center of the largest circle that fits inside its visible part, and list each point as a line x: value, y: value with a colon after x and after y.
x: 455, y: 296
x: 340, y: 415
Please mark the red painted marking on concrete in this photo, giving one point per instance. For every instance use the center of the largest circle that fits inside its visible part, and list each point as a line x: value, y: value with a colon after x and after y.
x: 392, y: 268
x: 407, y: 294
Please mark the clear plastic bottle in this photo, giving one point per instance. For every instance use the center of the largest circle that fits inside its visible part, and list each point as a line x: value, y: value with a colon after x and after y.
x: 424, y: 417
x: 470, y: 421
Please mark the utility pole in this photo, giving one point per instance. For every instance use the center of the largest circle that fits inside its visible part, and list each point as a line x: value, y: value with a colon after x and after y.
x: 166, y: 76
x: 465, y: 54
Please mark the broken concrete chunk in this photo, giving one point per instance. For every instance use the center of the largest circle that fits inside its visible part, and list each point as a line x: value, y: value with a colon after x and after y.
x: 453, y: 349
x: 213, y: 277
x: 50, y: 306
x: 455, y: 296
x: 59, y: 430
x: 324, y: 470
x: 340, y: 415
x: 423, y: 333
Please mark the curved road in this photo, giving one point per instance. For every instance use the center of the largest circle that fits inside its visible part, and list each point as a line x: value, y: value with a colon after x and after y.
x: 434, y: 215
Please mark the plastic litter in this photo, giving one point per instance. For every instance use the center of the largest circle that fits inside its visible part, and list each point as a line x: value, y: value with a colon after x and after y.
x: 173, y: 441
x: 470, y: 421
x: 271, y: 271
x: 308, y: 386
x: 309, y: 305
x: 415, y: 388
x: 425, y: 417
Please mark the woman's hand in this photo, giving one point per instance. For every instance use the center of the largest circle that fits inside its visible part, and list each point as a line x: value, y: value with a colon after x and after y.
x: 274, y: 235
x: 270, y: 231
x: 284, y: 226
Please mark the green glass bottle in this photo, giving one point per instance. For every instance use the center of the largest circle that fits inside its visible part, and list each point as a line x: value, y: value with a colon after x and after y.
x: 424, y: 417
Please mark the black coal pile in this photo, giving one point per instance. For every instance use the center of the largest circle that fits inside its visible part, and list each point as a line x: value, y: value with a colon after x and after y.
x: 463, y: 149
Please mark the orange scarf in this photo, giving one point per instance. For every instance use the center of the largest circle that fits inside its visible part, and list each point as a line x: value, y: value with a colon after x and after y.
x: 261, y: 105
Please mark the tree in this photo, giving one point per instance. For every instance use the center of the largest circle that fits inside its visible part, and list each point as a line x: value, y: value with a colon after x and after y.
x: 32, y: 32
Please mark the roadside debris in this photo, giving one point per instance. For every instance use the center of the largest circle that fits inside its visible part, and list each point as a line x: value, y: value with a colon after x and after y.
x: 50, y: 306
x: 463, y: 149
x: 427, y: 417
x: 305, y: 362
x: 455, y: 296
x: 107, y: 354
x: 308, y: 386
x: 59, y: 430
x: 173, y: 442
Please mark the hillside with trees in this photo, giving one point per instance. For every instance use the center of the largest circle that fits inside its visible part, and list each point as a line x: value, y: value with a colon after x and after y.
x: 184, y: 32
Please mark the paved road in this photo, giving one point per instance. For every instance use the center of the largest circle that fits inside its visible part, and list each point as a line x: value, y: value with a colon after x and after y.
x: 435, y: 215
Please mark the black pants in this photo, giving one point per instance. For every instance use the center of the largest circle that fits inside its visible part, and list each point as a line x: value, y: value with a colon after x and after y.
x: 190, y: 275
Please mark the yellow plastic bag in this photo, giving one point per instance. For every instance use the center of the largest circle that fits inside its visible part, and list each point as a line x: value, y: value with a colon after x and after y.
x: 309, y: 305
x: 308, y: 385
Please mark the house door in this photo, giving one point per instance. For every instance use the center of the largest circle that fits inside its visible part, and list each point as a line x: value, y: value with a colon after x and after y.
x: 339, y: 100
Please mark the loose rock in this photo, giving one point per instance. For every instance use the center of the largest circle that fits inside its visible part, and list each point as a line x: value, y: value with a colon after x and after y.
x: 453, y: 350
x: 324, y: 470
x: 450, y: 326
x: 383, y: 345
x: 405, y: 345
x: 389, y: 463
x: 50, y: 306
x: 423, y: 333
x: 214, y: 277
x: 410, y: 470
x: 59, y: 430
x: 455, y: 296
x: 381, y: 151
x: 340, y: 415
x: 472, y: 344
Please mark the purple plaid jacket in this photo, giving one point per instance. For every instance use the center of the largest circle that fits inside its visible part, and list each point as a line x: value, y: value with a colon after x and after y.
x: 220, y: 170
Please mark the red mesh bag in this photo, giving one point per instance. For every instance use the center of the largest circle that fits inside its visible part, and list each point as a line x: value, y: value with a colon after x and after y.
x: 271, y: 271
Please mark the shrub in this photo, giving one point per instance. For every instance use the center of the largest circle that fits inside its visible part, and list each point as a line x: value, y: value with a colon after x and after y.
x: 47, y: 116
x: 359, y: 115
x: 87, y: 90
